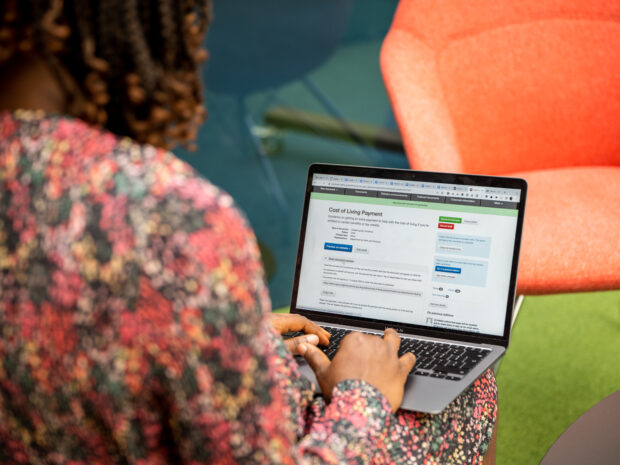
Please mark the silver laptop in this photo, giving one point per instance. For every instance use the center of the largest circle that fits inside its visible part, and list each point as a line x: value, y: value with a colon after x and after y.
x: 432, y: 255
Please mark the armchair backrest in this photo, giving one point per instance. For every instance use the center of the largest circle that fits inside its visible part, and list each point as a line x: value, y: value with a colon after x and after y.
x: 494, y: 86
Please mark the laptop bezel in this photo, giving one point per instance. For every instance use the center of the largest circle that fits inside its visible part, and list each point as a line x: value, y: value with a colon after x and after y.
x: 426, y: 176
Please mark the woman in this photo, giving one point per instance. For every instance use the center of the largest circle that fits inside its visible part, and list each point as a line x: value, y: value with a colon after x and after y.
x: 134, y: 316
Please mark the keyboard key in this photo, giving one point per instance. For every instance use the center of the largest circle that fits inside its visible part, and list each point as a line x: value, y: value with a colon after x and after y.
x: 449, y: 368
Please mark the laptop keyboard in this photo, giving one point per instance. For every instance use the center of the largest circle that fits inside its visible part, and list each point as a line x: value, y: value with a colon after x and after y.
x: 434, y: 359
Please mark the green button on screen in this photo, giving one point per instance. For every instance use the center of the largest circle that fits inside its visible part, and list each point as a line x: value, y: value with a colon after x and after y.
x: 449, y: 219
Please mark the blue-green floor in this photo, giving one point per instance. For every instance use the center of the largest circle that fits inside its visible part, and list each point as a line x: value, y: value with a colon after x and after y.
x: 345, y: 70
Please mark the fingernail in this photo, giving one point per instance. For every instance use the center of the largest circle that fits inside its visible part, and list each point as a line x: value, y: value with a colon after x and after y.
x: 302, y: 349
x: 312, y: 339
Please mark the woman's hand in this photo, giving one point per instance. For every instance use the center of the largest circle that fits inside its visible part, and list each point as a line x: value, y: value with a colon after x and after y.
x: 361, y: 356
x: 287, y: 322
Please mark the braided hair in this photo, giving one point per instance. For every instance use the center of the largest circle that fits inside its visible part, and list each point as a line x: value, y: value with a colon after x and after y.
x: 128, y: 65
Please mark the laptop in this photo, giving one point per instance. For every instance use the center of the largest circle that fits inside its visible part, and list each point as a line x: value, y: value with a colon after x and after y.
x: 432, y: 255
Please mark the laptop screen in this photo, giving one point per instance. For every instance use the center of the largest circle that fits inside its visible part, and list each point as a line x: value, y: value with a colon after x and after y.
x: 430, y: 254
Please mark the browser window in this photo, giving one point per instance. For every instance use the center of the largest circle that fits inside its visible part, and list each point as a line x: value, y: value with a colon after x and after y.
x: 434, y: 255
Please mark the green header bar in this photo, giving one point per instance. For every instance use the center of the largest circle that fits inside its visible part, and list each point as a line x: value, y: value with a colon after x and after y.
x: 415, y: 204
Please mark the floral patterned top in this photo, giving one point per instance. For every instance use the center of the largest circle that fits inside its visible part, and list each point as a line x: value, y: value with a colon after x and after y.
x: 134, y: 320
x: 134, y: 324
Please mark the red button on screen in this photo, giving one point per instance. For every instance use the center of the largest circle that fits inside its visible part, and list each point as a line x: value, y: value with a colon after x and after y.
x: 446, y: 225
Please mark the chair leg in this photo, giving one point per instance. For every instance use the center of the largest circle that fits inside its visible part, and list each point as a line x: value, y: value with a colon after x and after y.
x: 267, y: 168
x: 517, y: 307
x: 515, y: 312
x: 266, y: 165
x: 318, y: 94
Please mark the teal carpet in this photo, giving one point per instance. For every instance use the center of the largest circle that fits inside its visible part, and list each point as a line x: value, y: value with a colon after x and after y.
x: 348, y: 77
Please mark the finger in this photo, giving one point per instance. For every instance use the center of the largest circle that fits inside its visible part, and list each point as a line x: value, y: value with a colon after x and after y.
x: 392, y: 338
x: 313, y: 328
x: 293, y: 343
x: 301, y: 323
x: 317, y: 360
x: 281, y: 321
x: 310, y: 327
x: 407, y: 362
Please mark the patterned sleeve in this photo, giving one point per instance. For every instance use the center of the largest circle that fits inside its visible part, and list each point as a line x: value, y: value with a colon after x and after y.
x: 220, y: 380
x: 352, y: 428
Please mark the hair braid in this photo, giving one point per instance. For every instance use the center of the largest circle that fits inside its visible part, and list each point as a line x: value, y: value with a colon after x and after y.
x: 181, y: 11
x: 147, y: 17
x: 95, y: 86
x: 169, y: 33
x: 48, y: 35
x: 129, y: 65
x: 137, y: 45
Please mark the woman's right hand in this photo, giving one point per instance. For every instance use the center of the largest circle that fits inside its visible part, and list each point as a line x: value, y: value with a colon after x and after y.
x: 362, y: 356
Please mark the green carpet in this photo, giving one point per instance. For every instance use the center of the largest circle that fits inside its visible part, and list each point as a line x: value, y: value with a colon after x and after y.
x: 564, y: 357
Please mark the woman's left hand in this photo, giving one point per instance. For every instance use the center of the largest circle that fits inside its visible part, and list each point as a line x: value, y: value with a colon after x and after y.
x: 287, y: 322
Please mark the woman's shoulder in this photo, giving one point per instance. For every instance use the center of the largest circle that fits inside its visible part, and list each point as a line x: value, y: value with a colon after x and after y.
x: 122, y: 205
x: 126, y: 194
x: 74, y: 158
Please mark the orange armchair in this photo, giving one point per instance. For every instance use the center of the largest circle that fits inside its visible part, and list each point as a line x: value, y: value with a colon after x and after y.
x: 529, y: 89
